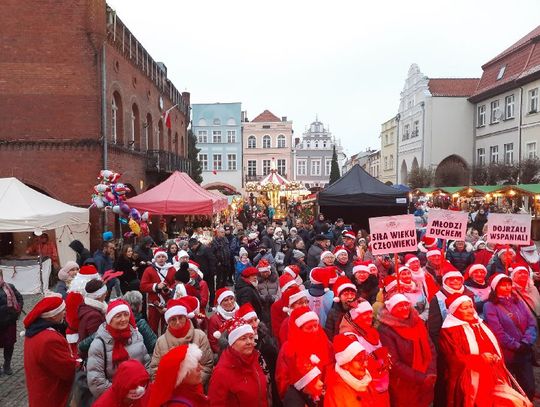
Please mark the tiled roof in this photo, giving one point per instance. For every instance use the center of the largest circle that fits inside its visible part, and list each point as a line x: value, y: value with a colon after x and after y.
x: 453, y: 87
x: 516, y: 64
x: 266, y: 116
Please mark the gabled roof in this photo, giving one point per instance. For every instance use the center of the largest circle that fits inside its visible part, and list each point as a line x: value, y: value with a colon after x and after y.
x: 453, y: 87
x: 514, y: 66
x: 266, y: 116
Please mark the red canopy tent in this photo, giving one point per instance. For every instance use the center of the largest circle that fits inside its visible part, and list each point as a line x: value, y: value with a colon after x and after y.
x: 178, y: 195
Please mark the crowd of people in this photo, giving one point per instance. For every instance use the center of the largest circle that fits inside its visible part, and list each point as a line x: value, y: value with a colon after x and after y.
x: 271, y: 314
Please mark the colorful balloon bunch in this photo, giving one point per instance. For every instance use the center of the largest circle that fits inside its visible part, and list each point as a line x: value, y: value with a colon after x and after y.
x: 110, y: 194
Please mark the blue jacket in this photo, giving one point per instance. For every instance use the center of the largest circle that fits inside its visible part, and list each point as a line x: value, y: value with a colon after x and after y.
x: 505, y: 328
x: 103, y: 263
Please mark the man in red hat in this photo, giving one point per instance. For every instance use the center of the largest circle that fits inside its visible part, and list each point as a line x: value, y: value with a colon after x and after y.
x: 48, y: 363
x: 349, y: 240
x: 424, y: 246
x: 345, y: 298
x: 246, y: 291
x: 158, y: 283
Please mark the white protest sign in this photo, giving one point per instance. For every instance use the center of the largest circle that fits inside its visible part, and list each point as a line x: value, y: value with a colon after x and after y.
x: 509, y: 228
x: 443, y: 224
x: 392, y: 234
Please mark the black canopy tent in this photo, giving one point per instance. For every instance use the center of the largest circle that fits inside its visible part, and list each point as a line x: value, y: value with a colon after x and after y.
x: 357, y: 196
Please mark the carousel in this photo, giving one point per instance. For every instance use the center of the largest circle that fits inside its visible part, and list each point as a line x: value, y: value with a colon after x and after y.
x: 276, y: 191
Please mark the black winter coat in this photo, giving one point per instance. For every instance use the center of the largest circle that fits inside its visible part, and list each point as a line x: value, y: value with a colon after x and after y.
x: 8, y: 315
x: 246, y: 292
x: 369, y: 289
x: 333, y: 320
x: 82, y: 253
x: 205, y: 258
x: 460, y: 259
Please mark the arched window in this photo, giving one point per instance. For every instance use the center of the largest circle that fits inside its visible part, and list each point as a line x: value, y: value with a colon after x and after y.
x: 149, y: 132
x: 281, y: 141
x: 266, y: 142
x: 135, y: 141
x: 217, y: 122
x: 160, y: 145
x: 202, y: 122
x: 316, y: 144
x: 117, y: 131
x: 252, y: 142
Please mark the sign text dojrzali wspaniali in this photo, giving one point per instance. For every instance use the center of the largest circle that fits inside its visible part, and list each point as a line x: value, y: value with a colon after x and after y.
x: 509, y: 228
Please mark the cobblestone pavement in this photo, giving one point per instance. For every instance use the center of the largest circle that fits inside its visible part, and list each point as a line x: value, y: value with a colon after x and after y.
x: 13, y: 388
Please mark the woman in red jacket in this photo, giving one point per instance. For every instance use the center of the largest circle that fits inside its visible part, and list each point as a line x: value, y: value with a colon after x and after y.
x: 238, y: 380
x: 225, y: 308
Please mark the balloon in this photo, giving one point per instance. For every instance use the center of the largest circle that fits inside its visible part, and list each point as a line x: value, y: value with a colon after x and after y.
x: 128, y: 235
x: 98, y: 201
x: 123, y: 221
x: 134, y: 226
x: 101, y: 188
x: 135, y: 214
x: 116, y: 209
x: 125, y: 208
x: 110, y: 197
x: 144, y: 216
x: 144, y: 229
x: 120, y: 189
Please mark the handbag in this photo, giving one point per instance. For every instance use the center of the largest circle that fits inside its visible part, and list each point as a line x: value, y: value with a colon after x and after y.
x: 81, y: 396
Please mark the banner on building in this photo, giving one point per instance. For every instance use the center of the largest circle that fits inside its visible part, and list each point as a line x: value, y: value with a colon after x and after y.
x: 443, y: 224
x: 509, y: 228
x: 392, y: 234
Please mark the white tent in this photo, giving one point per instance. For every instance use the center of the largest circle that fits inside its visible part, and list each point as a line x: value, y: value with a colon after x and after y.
x: 23, y: 209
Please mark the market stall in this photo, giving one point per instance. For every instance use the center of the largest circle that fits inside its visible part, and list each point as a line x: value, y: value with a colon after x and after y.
x: 24, y: 211
x: 357, y: 196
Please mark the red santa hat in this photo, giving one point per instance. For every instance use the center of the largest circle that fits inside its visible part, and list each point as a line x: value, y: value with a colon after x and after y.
x: 117, y: 306
x: 362, y: 307
x: 185, y: 306
x: 236, y: 328
x: 196, y: 268
x: 453, y: 301
x: 348, y: 234
x: 292, y: 270
x: 496, y: 279
x: 250, y: 271
x: 292, y: 295
x: 339, y: 250
x: 433, y: 252
x: 159, y: 251
x: 395, y: 300
x: 47, y: 307
x: 451, y: 273
x: 263, y: 265
x: 410, y: 258
x: 246, y: 312
x: 221, y: 294
x: 373, y: 269
x: 390, y: 282
x: 346, y: 347
x: 501, y: 249
x: 325, y: 254
x: 472, y: 268
x: 360, y: 266
x: 324, y: 276
x: 173, y: 368
x: 341, y: 284
x: 89, y: 272
x: 428, y: 242
x: 518, y: 267
x: 286, y: 281
x: 402, y: 269
x: 303, y: 315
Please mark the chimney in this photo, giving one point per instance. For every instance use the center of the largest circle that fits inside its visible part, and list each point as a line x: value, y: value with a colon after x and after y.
x: 243, y: 115
x: 283, y: 118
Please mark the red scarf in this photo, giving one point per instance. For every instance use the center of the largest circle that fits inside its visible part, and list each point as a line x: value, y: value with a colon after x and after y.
x: 180, y: 332
x: 369, y: 333
x: 120, y: 340
x: 413, y: 330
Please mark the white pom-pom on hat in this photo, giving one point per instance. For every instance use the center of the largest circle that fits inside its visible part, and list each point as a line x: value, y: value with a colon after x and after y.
x: 216, y: 334
x: 314, y: 359
x: 336, y: 299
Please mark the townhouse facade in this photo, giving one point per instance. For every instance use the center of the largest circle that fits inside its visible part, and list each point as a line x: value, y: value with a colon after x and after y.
x: 388, y: 151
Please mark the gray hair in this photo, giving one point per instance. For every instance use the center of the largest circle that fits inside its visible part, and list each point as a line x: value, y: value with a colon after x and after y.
x: 134, y: 299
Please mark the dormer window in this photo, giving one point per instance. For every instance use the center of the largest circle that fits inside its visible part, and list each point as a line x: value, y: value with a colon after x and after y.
x: 501, y: 72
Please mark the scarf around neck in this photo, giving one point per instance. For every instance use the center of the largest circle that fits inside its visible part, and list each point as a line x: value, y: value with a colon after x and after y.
x: 452, y: 291
x: 10, y: 295
x: 369, y: 333
x: 120, y: 340
x: 227, y: 314
x: 413, y: 330
x: 99, y: 305
x: 181, y: 332
x: 356, y: 384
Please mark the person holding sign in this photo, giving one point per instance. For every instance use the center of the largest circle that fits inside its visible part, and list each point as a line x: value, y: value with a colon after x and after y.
x: 515, y: 328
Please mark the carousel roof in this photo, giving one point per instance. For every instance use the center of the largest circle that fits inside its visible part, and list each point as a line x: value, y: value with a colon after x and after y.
x: 274, y: 178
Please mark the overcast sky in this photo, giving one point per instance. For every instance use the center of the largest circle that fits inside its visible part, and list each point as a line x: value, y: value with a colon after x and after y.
x: 343, y: 60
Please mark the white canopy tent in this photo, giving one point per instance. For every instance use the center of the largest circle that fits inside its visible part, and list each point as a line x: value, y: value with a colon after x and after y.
x: 22, y: 209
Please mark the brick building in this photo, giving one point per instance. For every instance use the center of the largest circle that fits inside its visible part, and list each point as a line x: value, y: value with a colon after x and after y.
x: 70, y: 74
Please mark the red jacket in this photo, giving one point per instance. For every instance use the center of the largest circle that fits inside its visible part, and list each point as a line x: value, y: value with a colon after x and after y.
x: 214, y: 323
x: 150, y: 279
x: 90, y: 319
x: 237, y: 384
x: 482, y: 256
x: 186, y: 395
x: 340, y: 394
x: 277, y: 316
x: 49, y: 367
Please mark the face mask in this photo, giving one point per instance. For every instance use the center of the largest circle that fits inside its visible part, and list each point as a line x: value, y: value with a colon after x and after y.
x: 255, y: 283
x: 136, y: 393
